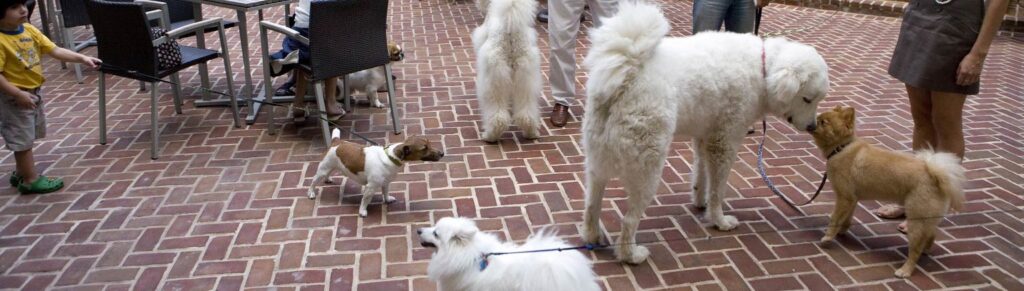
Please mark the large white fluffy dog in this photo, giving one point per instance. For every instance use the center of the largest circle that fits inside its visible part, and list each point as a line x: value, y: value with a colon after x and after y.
x: 508, y: 67
x: 645, y: 88
x: 460, y: 248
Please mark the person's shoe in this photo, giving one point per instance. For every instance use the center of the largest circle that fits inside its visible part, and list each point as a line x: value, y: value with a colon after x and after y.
x: 559, y: 115
x: 15, y: 179
x: 41, y: 185
x: 277, y: 66
x: 284, y: 90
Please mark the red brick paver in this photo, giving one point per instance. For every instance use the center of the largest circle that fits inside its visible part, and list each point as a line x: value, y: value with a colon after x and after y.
x: 225, y: 208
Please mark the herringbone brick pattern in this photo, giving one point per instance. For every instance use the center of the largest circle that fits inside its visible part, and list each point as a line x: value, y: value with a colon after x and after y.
x: 224, y: 207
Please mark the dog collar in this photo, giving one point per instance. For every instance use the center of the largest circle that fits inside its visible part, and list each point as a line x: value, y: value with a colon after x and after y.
x: 836, y: 151
x: 394, y: 160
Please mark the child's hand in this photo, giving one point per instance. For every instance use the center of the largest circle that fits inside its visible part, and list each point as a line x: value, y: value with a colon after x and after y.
x: 91, y: 62
x: 26, y: 100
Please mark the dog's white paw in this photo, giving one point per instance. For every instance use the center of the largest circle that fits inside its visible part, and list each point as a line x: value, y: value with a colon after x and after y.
x: 311, y: 194
x: 904, y: 272
x: 531, y: 133
x: 491, y: 136
x: 827, y: 239
x: 390, y: 199
x: 727, y: 222
x: 378, y: 104
x: 591, y: 235
x: 328, y: 181
x: 637, y: 255
x: 362, y: 213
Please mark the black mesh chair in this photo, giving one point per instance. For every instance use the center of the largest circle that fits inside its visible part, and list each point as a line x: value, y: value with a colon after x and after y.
x: 128, y: 50
x: 345, y: 36
x: 71, y: 14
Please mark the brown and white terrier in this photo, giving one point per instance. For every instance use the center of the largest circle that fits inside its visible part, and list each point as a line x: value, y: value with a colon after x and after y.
x: 927, y: 184
x: 370, y: 81
x: 374, y: 167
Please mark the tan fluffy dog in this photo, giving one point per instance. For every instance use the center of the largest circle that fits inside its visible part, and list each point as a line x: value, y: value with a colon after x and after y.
x: 926, y: 184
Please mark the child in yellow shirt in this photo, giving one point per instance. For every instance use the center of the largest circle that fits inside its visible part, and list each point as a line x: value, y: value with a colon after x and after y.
x: 21, y: 107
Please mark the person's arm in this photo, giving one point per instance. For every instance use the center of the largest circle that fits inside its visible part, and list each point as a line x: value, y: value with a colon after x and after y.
x: 70, y: 56
x: 969, y: 71
x: 21, y: 98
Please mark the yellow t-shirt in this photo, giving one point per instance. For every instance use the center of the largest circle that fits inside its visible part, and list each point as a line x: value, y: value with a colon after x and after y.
x: 22, y: 56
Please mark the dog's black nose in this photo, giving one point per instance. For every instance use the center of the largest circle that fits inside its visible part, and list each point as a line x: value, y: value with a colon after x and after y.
x: 812, y: 127
x: 789, y: 119
x: 442, y: 154
x: 419, y: 231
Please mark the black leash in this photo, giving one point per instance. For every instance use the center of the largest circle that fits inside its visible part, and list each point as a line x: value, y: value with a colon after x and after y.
x: 771, y: 186
x: 319, y: 114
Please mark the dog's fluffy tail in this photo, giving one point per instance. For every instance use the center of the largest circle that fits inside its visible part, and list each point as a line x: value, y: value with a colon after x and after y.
x: 948, y: 174
x: 621, y: 46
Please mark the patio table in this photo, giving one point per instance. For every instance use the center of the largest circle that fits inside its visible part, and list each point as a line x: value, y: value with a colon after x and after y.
x: 240, y: 7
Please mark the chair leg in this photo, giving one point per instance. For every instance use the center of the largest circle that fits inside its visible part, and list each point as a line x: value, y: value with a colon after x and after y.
x: 344, y: 93
x: 78, y: 73
x: 177, y: 92
x: 325, y: 128
x: 391, y: 99
x: 154, y: 150
x: 227, y: 73
x: 103, y: 108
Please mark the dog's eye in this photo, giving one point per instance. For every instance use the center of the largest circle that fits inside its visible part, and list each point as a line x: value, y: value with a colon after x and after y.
x: 435, y: 234
x: 808, y: 100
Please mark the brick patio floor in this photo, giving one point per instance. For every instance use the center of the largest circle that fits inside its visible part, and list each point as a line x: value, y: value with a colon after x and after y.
x: 224, y: 207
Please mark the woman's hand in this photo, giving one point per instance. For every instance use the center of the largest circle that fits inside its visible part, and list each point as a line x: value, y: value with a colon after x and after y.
x: 969, y: 71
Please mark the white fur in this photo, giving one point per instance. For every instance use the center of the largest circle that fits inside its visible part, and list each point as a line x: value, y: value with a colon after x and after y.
x: 378, y: 172
x: 368, y: 81
x: 455, y: 265
x: 645, y: 88
x: 508, y: 68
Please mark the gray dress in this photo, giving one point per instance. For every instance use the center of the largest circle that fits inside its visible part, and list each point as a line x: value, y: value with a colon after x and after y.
x: 933, y: 39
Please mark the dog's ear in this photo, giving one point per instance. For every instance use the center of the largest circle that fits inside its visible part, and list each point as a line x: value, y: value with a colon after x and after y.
x: 464, y: 234
x: 839, y: 108
x: 848, y: 116
x: 783, y: 85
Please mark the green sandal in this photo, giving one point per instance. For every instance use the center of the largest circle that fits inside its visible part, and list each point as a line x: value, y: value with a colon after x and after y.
x: 15, y: 179
x: 42, y: 185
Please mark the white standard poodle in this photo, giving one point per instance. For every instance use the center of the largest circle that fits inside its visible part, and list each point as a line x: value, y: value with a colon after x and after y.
x: 508, y: 68
x: 459, y: 262
x: 645, y: 88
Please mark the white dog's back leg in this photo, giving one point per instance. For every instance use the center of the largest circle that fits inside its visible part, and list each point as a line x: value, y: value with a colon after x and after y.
x: 719, y: 155
x: 700, y: 175
x: 323, y: 172
x: 640, y: 184
x: 596, y: 183
x: 493, y: 97
x: 525, y: 110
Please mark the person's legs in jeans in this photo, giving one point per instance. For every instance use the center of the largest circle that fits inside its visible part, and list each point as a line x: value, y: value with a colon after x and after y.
x: 708, y: 15
x: 741, y: 16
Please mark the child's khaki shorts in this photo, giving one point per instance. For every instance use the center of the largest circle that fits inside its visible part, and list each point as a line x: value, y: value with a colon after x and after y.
x: 21, y: 127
